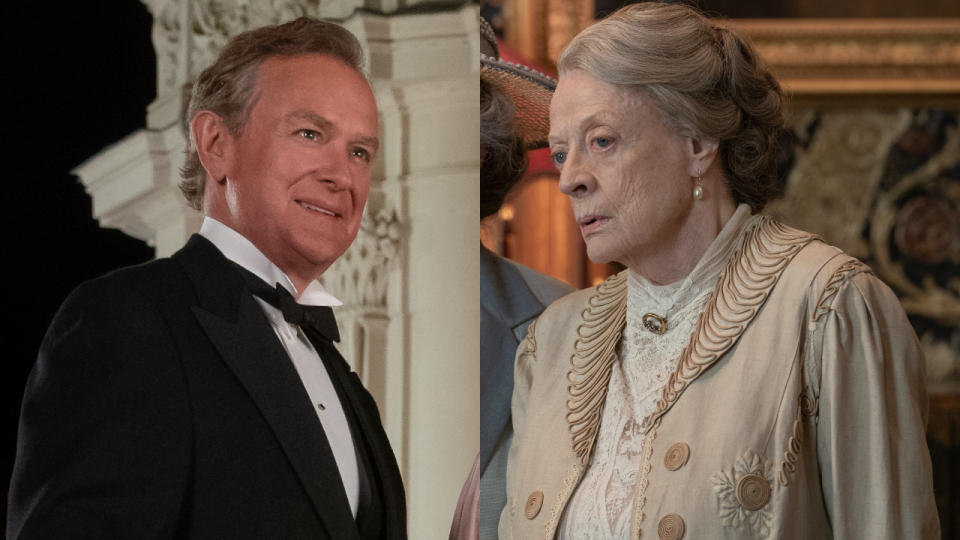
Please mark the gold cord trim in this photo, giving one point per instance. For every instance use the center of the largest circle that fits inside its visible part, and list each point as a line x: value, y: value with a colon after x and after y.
x: 741, y: 290
x: 806, y: 407
x: 528, y: 347
x: 593, y: 353
x: 844, y: 272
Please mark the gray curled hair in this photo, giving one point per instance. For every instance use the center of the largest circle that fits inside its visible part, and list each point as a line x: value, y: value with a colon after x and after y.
x: 502, y: 153
x: 226, y: 87
x: 706, y: 79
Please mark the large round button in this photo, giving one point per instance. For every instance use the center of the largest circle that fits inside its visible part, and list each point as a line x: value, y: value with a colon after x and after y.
x: 753, y: 491
x: 670, y: 527
x: 534, y: 502
x: 676, y: 456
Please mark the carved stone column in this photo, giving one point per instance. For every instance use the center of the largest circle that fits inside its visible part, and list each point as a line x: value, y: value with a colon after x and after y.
x: 409, y: 282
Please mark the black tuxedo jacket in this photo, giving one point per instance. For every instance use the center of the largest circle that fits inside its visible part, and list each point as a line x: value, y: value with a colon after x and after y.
x: 163, y: 405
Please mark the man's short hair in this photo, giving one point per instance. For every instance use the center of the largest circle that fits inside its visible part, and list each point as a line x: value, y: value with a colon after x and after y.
x: 226, y: 87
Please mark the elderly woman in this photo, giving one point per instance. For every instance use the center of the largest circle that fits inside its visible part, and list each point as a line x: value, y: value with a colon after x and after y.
x: 741, y: 379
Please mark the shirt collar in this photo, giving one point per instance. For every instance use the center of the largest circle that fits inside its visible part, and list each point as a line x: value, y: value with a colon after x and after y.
x: 240, y: 250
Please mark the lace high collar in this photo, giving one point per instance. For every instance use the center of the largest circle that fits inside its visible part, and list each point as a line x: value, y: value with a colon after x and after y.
x: 666, y: 300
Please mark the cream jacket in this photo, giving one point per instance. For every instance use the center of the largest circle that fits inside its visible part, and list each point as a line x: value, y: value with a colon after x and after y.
x: 797, y: 410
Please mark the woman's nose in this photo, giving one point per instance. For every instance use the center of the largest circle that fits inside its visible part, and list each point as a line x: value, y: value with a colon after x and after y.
x: 575, y: 178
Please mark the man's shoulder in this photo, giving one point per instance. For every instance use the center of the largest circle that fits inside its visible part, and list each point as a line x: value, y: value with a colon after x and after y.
x: 121, y: 302
x: 547, y: 289
x: 161, y: 278
x: 152, y: 279
x: 127, y: 291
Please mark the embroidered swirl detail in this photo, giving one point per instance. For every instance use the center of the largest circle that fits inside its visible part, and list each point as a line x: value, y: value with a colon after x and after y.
x: 743, y: 494
x: 741, y: 290
x: 593, y: 353
x: 809, y: 406
x: 806, y: 407
x: 643, y: 480
x: 844, y: 272
x: 788, y: 465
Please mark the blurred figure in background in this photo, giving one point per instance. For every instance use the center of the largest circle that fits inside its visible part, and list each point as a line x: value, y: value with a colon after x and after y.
x: 514, y: 103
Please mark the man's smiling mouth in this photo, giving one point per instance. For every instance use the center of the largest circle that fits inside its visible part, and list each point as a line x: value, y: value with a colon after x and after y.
x: 315, y: 208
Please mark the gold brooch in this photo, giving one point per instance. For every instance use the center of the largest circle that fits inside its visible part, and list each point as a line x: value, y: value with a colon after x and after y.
x: 655, y: 323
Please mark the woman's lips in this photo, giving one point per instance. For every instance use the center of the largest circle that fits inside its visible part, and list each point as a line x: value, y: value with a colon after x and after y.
x: 590, y: 224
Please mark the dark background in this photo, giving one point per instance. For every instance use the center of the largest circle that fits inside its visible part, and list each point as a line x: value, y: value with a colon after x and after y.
x: 82, y: 74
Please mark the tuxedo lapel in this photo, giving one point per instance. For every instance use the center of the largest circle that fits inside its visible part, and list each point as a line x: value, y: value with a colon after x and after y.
x: 381, y: 469
x: 241, y: 333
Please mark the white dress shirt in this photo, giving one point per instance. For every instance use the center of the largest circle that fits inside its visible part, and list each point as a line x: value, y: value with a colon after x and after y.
x: 313, y: 374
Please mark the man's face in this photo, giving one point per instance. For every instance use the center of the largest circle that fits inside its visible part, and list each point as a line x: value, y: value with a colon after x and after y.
x: 299, y: 173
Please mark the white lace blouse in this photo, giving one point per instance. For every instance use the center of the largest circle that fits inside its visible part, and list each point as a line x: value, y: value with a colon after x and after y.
x: 602, y: 505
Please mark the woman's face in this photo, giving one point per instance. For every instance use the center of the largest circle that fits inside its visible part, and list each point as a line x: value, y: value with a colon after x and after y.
x: 627, y: 172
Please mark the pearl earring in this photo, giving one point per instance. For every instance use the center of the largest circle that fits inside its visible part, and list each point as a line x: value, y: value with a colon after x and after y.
x: 698, y: 187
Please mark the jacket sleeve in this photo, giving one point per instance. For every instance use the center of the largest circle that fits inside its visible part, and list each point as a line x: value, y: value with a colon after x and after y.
x: 104, y: 434
x: 874, y: 463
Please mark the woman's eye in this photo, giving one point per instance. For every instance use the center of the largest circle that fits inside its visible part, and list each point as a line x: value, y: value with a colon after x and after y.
x: 558, y: 158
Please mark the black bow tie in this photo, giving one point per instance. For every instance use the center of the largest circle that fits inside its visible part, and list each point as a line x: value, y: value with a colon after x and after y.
x: 319, y: 318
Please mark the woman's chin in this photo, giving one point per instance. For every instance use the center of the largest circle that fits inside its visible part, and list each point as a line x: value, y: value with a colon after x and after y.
x: 599, y: 254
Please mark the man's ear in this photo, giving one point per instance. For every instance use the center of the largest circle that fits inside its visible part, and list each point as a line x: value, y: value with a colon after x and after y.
x: 703, y: 152
x: 214, y: 144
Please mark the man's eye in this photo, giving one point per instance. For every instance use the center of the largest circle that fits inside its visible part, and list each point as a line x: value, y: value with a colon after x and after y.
x: 558, y: 158
x: 361, y: 153
x: 309, y: 134
x: 602, y: 142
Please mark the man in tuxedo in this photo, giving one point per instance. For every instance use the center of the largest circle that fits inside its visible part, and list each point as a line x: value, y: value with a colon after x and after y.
x: 200, y: 396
